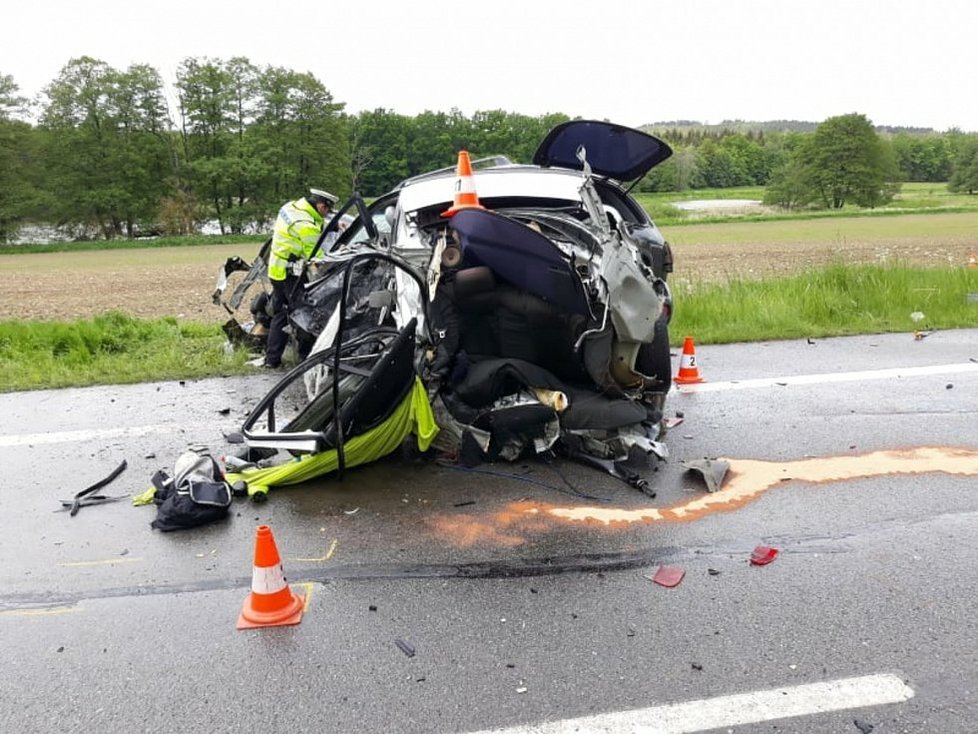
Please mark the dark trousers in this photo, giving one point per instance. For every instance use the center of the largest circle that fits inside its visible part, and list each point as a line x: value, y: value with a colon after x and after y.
x: 277, y: 337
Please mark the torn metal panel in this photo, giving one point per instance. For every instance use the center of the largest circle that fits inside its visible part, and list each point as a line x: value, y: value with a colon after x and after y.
x: 712, y: 471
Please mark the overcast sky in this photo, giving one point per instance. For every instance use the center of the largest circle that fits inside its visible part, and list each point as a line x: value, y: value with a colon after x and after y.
x: 632, y: 62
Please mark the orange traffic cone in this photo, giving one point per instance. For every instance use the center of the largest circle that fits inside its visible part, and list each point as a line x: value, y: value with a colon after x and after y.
x: 271, y: 602
x: 465, y: 196
x: 689, y: 373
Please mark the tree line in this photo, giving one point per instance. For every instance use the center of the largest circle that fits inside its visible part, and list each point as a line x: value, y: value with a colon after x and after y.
x: 105, y: 152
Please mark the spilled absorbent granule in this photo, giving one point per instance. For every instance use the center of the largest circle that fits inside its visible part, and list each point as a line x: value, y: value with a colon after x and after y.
x: 746, y: 481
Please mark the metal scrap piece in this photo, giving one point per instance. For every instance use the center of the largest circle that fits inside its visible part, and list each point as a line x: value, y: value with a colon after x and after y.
x: 406, y: 647
x: 713, y: 471
x: 85, y: 497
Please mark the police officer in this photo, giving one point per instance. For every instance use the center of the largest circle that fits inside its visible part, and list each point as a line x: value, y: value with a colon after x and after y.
x: 297, y: 229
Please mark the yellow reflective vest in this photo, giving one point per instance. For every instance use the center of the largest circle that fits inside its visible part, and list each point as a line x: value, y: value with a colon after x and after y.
x: 296, y: 231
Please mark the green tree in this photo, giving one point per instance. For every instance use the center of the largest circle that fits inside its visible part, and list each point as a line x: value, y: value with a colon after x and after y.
x: 790, y: 185
x: 19, y: 162
x: 106, y: 146
x: 379, y: 150
x: 749, y: 163
x: 965, y: 175
x: 207, y: 97
x: 715, y: 167
x: 435, y: 140
x: 923, y: 157
x: 10, y: 102
x: 847, y: 162
x: 661, y: 178
x: 141, y: 157
x: 302, y: 137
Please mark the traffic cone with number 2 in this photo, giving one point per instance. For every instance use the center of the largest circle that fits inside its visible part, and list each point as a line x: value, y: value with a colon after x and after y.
x: 689, y: 373
x: 271, y: 602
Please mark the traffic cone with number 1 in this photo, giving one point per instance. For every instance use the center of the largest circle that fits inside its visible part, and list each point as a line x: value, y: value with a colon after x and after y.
x: 271, y: 602
x: 465, y: 196
x: 689, y: 373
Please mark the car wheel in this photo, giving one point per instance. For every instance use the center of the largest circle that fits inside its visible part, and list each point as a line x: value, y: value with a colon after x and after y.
x: 654, y: 359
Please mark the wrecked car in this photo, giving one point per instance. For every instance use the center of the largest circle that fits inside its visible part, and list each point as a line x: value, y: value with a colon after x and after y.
x: 531, y: 318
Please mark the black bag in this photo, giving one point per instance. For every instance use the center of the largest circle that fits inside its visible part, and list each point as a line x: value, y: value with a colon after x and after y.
x: 196, y: 495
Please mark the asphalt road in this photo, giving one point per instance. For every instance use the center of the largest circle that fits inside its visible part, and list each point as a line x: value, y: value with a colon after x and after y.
x: 528, y: 606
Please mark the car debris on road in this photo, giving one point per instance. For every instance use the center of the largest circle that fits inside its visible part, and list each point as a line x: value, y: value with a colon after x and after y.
x: 515, y: 310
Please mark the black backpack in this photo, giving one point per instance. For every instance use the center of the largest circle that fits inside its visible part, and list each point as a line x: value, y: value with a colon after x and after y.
x: 196, y: 494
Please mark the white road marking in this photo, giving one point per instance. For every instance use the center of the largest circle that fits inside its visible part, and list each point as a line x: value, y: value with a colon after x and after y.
x: 93, y: 434
x: 894, y: 372
x: 107, y: 434
x: 736, y: 710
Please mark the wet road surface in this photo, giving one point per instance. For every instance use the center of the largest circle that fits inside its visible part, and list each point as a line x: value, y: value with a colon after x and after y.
x: 524, y: 589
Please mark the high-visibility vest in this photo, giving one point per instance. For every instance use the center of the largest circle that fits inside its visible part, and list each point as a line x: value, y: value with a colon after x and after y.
x: 297, y: 229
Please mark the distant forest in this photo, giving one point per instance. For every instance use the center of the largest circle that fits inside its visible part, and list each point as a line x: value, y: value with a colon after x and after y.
x: 773, y: 126
x: 107, y: 153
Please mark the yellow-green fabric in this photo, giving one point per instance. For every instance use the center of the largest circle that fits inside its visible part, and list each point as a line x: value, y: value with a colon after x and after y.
x: 297, y: 229
x: 414, y: 414
x: 144, y: 498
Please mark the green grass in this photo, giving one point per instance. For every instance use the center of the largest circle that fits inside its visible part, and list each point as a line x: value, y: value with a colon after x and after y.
x: 931, y: 196
x: 737, y: 192
x: 942, y: 226
x: 110, y: 349
x: 835, y: 301
x: 191, y: 241
x: 914, y: 198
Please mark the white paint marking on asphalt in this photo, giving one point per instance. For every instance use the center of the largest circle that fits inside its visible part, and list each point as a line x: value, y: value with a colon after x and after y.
x: 107, y: 562
x: 894, y: 372
x: 94, y: 434
x: 735, y: 710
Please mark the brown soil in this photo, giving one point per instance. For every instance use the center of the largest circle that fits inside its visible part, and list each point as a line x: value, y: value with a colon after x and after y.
x: 179, y: 281
x: 752, y: 260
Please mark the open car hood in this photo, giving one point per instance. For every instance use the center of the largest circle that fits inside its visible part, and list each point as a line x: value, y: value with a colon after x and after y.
x: 613, y: 151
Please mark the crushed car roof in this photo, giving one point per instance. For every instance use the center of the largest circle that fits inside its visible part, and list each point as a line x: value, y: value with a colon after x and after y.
x: 613, y: 151
x: 509, y: 181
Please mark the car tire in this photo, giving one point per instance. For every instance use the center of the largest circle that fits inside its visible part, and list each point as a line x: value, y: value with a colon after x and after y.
x: 654, y: 359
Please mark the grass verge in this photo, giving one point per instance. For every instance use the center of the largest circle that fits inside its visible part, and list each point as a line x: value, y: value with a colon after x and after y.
x: 835, y: 301
x: 142, y: 243
x: 111, y: 349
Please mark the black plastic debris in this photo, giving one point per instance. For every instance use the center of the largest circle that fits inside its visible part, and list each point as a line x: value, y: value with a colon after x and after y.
x: 86, y: 497
x: 406, y: 647
x: 864, y: 727
x: 713, y: 471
